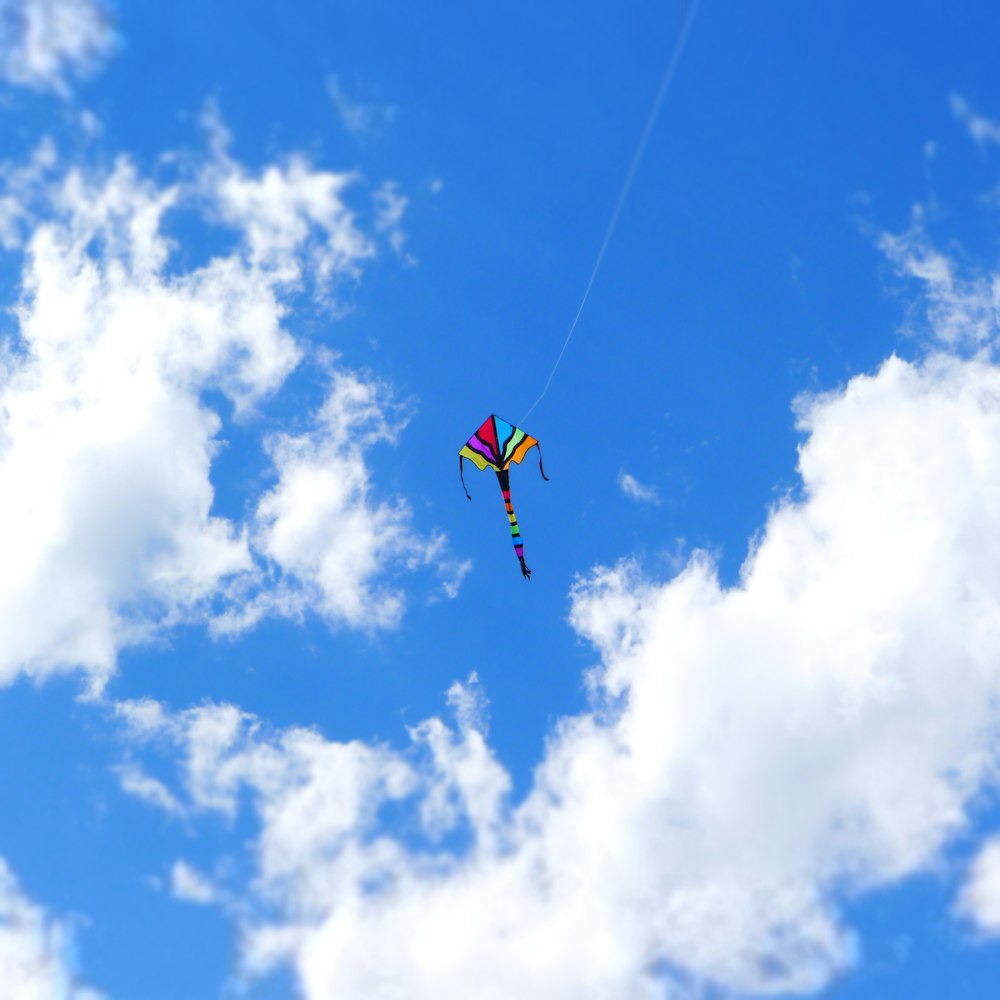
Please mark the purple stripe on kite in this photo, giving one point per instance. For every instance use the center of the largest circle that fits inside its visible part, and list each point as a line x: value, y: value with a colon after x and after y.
x: 488, y: 453
x: 485, y: 443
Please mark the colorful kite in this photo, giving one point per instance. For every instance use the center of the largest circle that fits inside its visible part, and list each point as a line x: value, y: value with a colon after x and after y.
x: 495, y: 445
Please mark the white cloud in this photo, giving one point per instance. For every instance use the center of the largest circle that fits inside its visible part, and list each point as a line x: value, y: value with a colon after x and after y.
x: 358, y: 117
x: 143, y: 718
x: 315, y: 797
x: 190, y: 886
x: 390, y: 205
x: 979, y: 900
x: 148, y: 789
x: 105, y: 447
x: 290, y: 214
x: 464, y: 781
x: 35, y: 951
x: 632, y: 488
x: 90, y: 125
x: 755, y: 756
x: 106, y: 436
x: 963, y: 312
x: 322, y: 527
x: 44, y: 42
x: 453, y: 572
x: 983, y: 130
x: 18, y: 186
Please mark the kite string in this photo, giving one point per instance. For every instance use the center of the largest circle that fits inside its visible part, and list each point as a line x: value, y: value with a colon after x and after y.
x: 640, y: 149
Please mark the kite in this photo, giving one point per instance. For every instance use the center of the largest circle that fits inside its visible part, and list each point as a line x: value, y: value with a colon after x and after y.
x: 494, y: 446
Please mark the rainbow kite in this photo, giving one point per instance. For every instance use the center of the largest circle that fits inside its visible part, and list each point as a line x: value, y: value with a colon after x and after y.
x: 494, y: 446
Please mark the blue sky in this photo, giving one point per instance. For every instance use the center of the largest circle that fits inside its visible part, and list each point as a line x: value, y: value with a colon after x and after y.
x: 280, y: 716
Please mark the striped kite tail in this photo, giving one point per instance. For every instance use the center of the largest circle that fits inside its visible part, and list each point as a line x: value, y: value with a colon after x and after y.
x: 515, y: 531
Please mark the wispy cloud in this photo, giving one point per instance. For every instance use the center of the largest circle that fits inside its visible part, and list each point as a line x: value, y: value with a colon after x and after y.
x: 635, y: 490
x: 962, y: 309
x: 292, y: 216
x: 45, y: 42
x: 19, y: 185
x: 190, y: 886
x: 359, y: 117
x: 984, y: 131
x: 390, y: 205
x: 148, y: 789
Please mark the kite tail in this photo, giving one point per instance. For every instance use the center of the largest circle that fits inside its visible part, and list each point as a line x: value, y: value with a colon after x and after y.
x: 541, y: 468
x: 461, y: 475
x: 515, y: 532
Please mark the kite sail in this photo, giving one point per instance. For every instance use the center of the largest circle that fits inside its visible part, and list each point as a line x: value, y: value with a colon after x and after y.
x: 494, y: 446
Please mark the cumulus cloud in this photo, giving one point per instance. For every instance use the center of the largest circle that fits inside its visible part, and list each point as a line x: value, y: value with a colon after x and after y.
x: 35, y: 951
x: 983, y: 130
x: 754, y: 756
x: 979, y: 901
x: 107, y: 436
x: 635, y: 490
x: 317, y: 796
x: 321, y: 526
x: 320, y: 804
x: 45, y: 42
x: 105, y: 445
x: 786, y: 737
